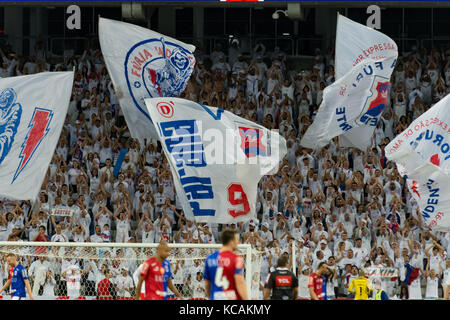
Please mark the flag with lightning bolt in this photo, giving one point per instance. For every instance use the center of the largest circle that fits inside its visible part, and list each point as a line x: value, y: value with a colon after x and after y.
x: 33, y: 110
x: 38, y: 129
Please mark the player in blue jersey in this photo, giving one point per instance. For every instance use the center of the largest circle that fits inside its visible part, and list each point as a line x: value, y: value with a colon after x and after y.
x: 20, y: 285
x: 224, y: 271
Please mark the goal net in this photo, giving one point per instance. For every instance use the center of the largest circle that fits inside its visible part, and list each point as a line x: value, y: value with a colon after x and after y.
x: 78, y: 270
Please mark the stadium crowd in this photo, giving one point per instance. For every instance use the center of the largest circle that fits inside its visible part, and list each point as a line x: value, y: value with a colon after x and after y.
x: 348, y: 207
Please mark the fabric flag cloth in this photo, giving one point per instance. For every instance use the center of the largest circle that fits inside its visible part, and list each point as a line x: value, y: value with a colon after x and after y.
x: 143, y: 64
x: 422, y: 154
x: 33, y: 109
x: 353, y: 104
x: 216, y: 158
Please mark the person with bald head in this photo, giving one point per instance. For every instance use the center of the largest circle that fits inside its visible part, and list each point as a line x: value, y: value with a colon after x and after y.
x: 157, y: 276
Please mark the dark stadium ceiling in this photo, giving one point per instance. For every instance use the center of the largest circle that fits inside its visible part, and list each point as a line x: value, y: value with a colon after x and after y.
x: 217, y: 3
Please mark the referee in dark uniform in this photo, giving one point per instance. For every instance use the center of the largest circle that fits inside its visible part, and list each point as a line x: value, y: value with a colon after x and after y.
x: 282, y: 282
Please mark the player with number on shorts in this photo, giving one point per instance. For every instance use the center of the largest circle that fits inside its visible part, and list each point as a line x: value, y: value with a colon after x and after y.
x: 20, y: 285
x: 224, y: 271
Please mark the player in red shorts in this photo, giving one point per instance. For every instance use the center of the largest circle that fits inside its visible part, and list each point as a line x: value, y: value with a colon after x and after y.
x: 317, y: 282
x: 157, y: 276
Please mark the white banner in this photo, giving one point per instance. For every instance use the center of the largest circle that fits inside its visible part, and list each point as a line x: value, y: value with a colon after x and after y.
x: 62, y: 212
x: 356, y: 43
x: 32, y: 113
x: 422, y: 153
x: 143, y: 64
x: 216, y: 158
x: 353, y: 104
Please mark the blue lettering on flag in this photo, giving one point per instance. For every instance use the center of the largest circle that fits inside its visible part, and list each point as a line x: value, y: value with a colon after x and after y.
x: 184, y: 144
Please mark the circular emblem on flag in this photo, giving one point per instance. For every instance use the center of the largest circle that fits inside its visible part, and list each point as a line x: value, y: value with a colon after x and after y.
x: 157, y: 68
x: 165, y: 109
x: 376, y: 102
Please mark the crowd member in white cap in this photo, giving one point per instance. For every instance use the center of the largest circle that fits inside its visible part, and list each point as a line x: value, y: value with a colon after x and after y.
x: 125, y: 286
x: 296, y: 229
x: 265, y: 233
x: 324, y: 248
x: 304, y: 271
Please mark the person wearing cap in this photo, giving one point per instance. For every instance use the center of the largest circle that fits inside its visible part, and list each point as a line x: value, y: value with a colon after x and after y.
x: 221, y: 65
x: 324, y: 248
x: 265, y: 233
x: 360, y: 287
x: 124, y: 283
x: 303, y: 275
x: 296, y: 229
x: 262, y: 67
x: 240, y: 65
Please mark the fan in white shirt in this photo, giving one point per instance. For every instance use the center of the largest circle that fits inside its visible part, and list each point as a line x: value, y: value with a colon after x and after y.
x: 147, y: 230
x: 436, y: 258
x: 431, y: 292
x: 265, y: 233
x: 324, y: 248
x: 122, y: 223
x: 124, y: 284
x: 59, y: 236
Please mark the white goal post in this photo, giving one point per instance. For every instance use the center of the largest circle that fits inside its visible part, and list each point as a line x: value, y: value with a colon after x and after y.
x: 131, y: 254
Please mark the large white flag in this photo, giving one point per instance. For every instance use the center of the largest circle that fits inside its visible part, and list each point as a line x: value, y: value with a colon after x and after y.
x: 143, y: 64
x: 216, y: 158
x: 352, y: 105
x: 356, y: 43
x: 32, y: 113
x: 422, y: 153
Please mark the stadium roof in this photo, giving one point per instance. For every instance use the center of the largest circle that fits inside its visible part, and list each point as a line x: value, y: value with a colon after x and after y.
x: 218, y: 3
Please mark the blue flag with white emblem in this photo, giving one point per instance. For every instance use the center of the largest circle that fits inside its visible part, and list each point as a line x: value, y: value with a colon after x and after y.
x: 143, y: 64
x: 32, y: 115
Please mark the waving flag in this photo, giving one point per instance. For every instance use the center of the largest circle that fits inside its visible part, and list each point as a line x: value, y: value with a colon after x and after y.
x: 356, y: 43
x: 143, y: 64
x: 32, y: 114
x: 216, y: 158
x: 353, y: 104
x: 422, y: 153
